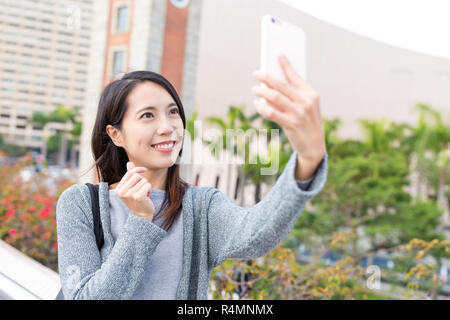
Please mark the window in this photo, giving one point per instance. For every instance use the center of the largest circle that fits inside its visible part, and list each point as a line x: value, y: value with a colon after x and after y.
x: 122, y: 19
x: 64, y: 51
x: 59, y: 95
x: 118, y: 62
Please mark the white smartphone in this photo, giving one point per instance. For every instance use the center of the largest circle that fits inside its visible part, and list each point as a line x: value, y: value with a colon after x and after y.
x: 279, y: 36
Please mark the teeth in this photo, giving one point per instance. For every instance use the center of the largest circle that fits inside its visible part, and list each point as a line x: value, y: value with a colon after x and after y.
x: 164, y: 146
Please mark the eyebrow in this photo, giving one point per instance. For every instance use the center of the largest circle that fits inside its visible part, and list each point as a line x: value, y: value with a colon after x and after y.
x: 154, y: 108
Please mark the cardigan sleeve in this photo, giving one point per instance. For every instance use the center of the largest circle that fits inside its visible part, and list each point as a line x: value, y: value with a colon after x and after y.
x: 304, y: 185
x: 248, y: 233
x: 83, y: 275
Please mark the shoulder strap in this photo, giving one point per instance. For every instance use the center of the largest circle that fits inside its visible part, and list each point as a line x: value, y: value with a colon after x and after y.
x: 94, y: 189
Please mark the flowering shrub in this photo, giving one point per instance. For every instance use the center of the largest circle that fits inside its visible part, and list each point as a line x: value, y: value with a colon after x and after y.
x: 28, y: 211
x: 277, y: 275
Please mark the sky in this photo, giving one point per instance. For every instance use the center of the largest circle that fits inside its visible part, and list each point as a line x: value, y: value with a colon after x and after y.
x: 417, y: 25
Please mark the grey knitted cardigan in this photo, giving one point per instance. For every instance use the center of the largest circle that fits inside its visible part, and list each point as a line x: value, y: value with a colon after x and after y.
x: 214, y: 228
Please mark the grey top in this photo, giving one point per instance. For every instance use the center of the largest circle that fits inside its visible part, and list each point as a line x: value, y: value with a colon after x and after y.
x: 163, y: 271
x: 133, y: 246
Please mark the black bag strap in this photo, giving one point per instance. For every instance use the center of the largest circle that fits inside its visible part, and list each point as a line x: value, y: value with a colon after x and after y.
x: 94, y: 189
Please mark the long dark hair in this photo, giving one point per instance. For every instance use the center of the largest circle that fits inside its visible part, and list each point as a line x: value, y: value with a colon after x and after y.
x: 111, y: 160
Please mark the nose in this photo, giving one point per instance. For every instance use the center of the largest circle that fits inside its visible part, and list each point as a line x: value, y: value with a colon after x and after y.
x: 165, y: 126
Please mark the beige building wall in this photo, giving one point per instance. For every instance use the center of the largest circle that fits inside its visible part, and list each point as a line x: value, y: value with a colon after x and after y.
x: 44, y: 46
x: 356, y: 77
x: 95, y: 85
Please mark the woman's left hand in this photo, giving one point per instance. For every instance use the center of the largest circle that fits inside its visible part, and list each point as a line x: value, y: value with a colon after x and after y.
x: 295, y: 106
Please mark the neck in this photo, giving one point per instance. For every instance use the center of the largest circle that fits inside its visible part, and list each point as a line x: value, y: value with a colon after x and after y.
x: 156, y: 177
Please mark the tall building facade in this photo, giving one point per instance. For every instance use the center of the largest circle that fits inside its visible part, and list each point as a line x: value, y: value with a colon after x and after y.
x: 44, y: 49
x: 155, y: 35
x: 209, y: 49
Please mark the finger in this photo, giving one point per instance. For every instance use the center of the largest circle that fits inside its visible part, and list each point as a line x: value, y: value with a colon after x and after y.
x: 274, y: 98
x: 131, y: 181
x: 135, y: 190
x: 128, y: 174
x: 130, y: 165
x: 291, y: 75
x: 146, y: 189
x: 272, y: 114
x: 142, y: 189
x: 273, y: 83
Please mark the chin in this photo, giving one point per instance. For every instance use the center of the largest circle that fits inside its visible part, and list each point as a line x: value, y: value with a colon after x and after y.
x: 163, y: 163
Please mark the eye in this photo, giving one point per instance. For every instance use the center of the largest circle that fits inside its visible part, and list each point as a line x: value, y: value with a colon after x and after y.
x: 174, y: 109
x: 147, y: 113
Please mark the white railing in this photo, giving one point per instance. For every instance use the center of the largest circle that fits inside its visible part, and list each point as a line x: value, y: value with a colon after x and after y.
x: 23, y: 278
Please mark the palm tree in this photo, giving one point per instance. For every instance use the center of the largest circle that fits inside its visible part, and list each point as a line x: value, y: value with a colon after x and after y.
x: 190, y: 128
x: 235, y: 121
x: 58, y: 140
x: 427, y: 145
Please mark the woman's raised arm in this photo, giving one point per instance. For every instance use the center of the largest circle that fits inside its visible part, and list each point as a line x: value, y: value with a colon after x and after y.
x: 248, y: 233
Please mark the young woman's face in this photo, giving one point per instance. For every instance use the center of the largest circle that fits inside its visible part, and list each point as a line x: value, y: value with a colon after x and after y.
x: 152, y: 118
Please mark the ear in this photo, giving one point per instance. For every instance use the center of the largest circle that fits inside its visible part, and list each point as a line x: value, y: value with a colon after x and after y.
x: 114, y: 134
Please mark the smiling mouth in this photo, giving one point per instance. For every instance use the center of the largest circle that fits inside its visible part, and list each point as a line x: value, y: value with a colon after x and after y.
x: 164, y: 146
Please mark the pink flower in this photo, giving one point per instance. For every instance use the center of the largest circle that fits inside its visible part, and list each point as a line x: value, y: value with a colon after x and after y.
x: 55, y: 245
x: 28, y: 157
x: 47, y: 201
x: 45, y: 212
x: 12, y: 232
x: 39, y: 159
x: 6, y: 201
x: 10, y: 213
x: 31, y: 208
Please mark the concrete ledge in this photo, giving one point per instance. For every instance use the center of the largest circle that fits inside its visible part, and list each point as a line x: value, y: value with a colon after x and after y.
x: 23, y: 278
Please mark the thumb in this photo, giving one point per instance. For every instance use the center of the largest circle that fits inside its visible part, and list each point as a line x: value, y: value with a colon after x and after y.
x: 130, y: 165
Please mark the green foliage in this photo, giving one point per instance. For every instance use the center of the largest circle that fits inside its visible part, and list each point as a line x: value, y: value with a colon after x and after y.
x: 61, y: 114
x: 369, y: 196
x: 190, y: 125
x: 12, y: 150
x: 54, y: 142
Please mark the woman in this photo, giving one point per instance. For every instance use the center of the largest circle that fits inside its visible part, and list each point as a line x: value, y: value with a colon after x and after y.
x: 162, y: 236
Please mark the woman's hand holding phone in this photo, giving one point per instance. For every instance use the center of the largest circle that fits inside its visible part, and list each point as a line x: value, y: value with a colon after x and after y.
x: 295, y: 106
x: 134, y: 190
